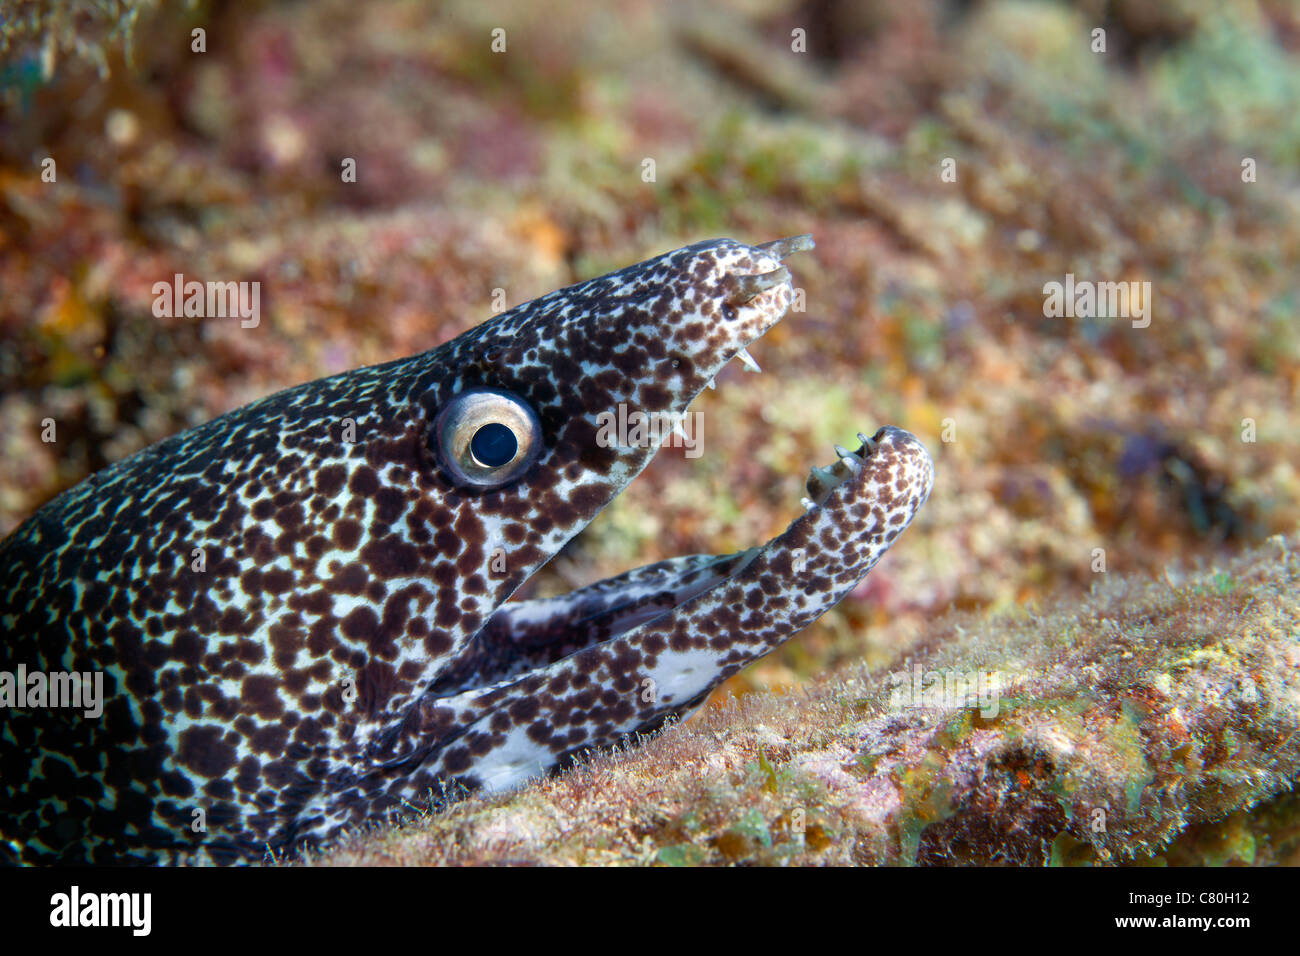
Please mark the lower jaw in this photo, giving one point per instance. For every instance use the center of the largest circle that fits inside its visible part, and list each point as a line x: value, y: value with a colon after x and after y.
x: 736, y: 607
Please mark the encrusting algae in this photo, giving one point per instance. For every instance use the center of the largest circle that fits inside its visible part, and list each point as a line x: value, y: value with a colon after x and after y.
x: 1153, y: 722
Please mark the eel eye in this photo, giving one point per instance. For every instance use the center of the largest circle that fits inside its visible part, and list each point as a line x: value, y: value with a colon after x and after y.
x: 486, y: 438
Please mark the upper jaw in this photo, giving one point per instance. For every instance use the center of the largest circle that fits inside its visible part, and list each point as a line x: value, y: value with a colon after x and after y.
x: 754, y: 293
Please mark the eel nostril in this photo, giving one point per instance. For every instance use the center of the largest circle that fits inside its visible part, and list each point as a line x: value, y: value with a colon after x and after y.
x: 788, y: 246
x: 742, y: 288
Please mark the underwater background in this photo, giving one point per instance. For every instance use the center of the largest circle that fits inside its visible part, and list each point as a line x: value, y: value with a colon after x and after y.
x: 1113, y: 523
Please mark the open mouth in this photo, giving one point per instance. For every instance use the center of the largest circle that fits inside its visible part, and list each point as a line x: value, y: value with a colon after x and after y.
x: 544, y: 679
x: 547, y: 678
x: 523, y: 637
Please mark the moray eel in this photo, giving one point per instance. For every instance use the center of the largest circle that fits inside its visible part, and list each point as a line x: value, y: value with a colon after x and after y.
x: 299, y: 609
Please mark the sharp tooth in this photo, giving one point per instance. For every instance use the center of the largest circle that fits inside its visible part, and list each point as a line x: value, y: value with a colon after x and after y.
x: 713, y: 383
x: 808, y: 504
x: 748, y: 360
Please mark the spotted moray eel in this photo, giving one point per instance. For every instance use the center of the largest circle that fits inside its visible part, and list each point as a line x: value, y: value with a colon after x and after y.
x: 347, y: 645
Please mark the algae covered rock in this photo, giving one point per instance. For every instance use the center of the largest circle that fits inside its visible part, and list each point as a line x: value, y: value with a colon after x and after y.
x: 1152, y: 721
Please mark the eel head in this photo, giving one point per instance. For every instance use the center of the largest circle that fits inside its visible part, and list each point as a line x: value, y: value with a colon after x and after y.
x: 539, y: 680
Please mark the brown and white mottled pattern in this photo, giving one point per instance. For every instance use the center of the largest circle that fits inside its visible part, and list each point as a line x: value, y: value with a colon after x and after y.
x: 347, y: 645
